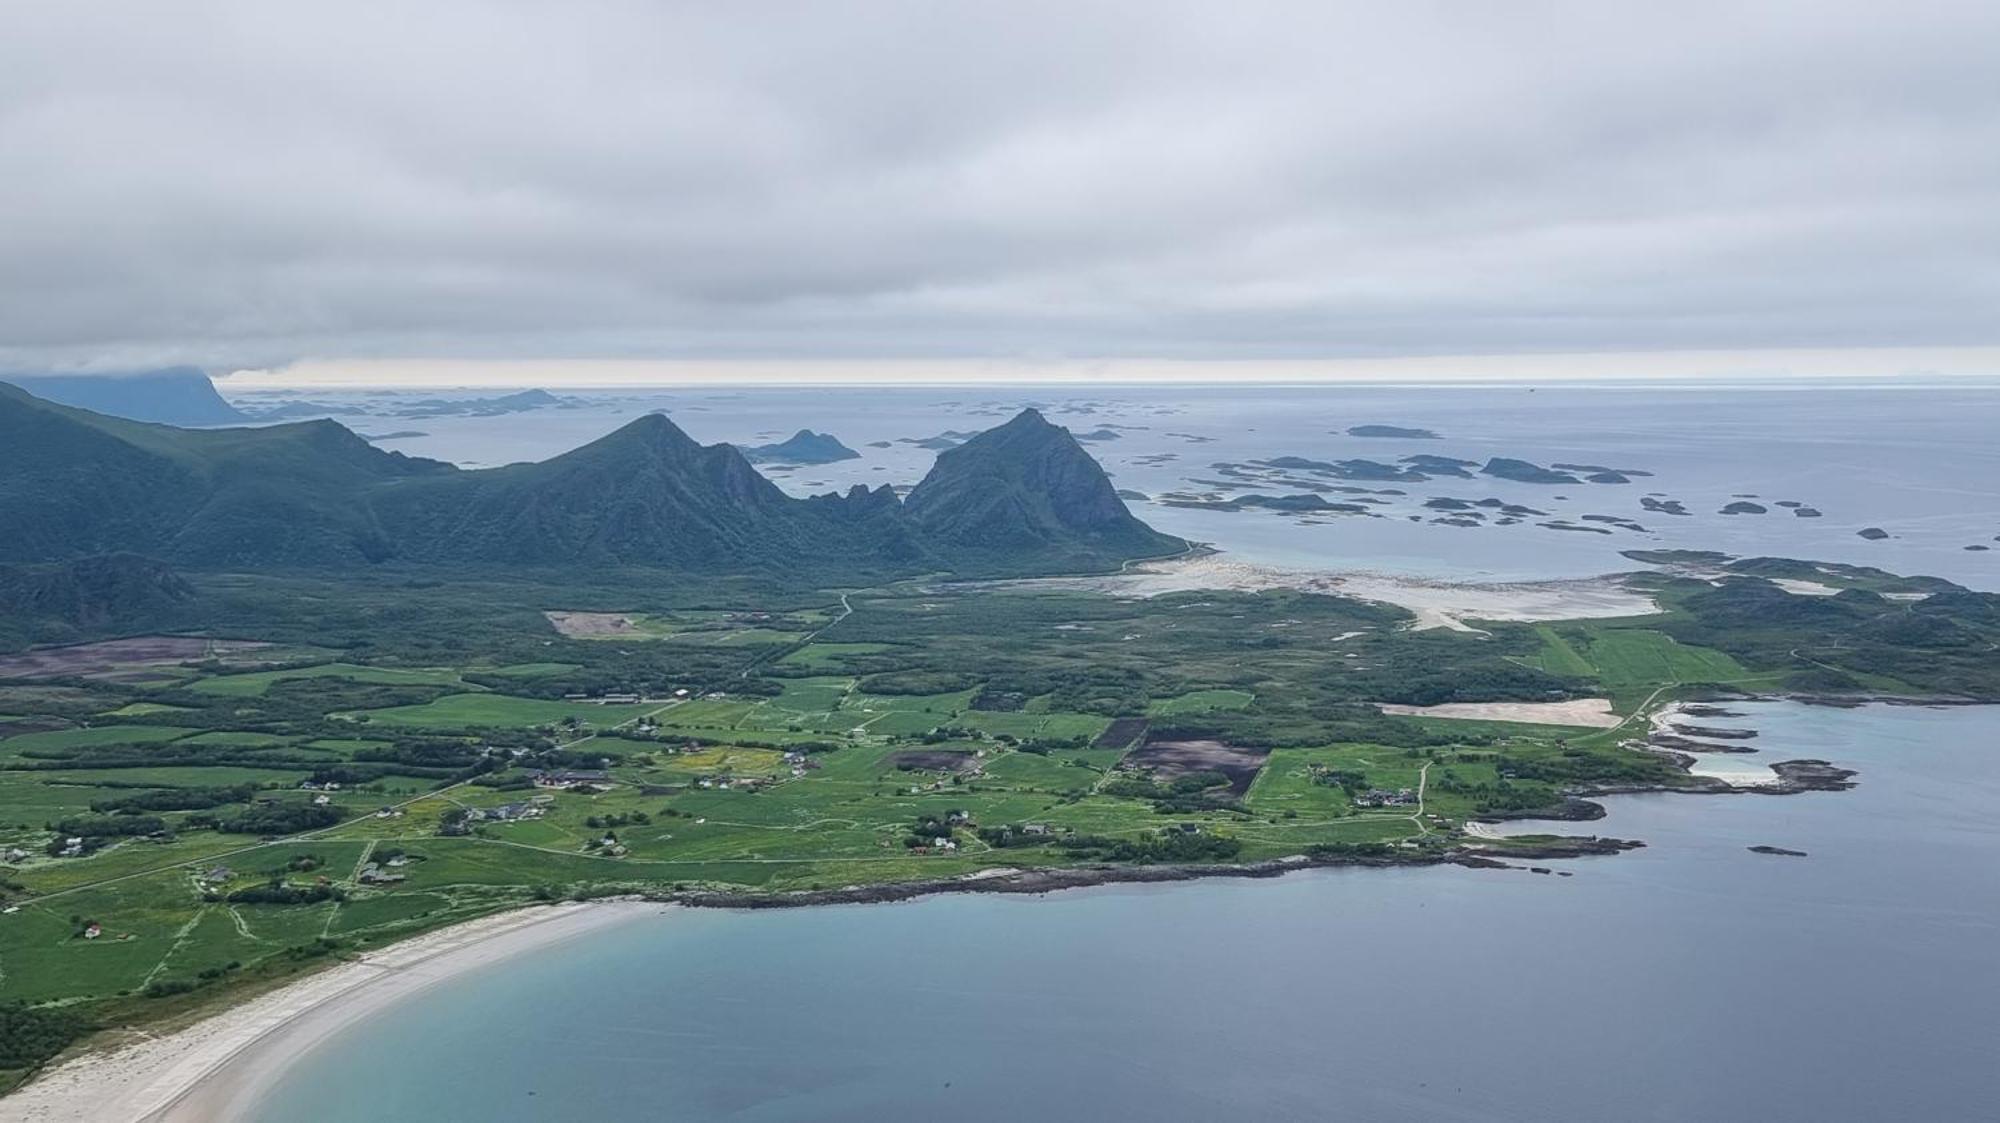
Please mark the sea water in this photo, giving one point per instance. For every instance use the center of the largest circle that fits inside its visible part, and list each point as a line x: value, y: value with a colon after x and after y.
x: 1923, y: 465
x: 1691, y: 979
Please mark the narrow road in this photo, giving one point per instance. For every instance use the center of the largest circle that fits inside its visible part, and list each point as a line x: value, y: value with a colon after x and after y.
x: 846, y: 610
x: 1423, y: 778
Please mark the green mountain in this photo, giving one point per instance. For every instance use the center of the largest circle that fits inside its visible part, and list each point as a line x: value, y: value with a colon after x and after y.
x: 1021, y: 498
x: 174, y: 396
x: 1027, y: 492
x: 645, y: 494
x: 57, y: 602
x: 75, y: 483
x: 802, y: 447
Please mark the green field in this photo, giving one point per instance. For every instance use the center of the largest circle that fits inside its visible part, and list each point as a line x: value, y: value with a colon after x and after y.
x: 1632, y: 661
x: 1197, y: 701
x: 257, y: 682
x: 465, y: 711
x: 767, y: 766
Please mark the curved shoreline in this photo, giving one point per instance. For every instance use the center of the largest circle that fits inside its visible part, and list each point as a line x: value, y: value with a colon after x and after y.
x: 218, y: 1067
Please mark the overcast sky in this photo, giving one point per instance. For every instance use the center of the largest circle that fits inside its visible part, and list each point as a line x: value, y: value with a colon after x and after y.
x: 248, y: 184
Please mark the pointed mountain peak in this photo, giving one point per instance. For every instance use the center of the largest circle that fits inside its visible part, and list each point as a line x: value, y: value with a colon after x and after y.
x: 653, y: 429
x: 1029, y: 420
x: 1028, y: 486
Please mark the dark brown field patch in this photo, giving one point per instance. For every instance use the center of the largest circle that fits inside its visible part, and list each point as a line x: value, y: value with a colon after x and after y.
x: 117, y: 655
x: 1120, y: 733
x: 933, y: 760
x: 1166, y: 760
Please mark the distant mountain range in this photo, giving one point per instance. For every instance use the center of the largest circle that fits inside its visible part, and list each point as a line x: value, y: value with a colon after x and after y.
x: 1024, y: 497
x: 173, y: 396
x: 299, y: 409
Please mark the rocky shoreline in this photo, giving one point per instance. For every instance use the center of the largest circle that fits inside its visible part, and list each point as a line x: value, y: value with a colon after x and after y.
x: 1674, y: 742
x: 1053, y: 879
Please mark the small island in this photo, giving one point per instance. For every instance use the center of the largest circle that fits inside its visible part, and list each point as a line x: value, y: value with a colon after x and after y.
x: 1392, y: 431
x: 802, y: 447
x: 1526, y: 472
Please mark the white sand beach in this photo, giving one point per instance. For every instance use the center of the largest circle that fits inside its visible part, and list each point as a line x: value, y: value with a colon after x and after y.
x: 214, y: 1070
x: 1436, y: 604
x: 1594, y: 713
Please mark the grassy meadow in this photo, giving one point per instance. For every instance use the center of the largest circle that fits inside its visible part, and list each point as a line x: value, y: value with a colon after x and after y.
x: 400, y: 759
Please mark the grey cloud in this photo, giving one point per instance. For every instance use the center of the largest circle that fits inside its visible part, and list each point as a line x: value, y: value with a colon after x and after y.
x: 243, y: 183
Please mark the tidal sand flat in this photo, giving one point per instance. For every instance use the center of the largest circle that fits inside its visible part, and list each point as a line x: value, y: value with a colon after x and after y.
x: 1436, y: 604
x: 216, y: 1069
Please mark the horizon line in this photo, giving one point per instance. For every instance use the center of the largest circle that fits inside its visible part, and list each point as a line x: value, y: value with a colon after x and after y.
x: 1896, y: 366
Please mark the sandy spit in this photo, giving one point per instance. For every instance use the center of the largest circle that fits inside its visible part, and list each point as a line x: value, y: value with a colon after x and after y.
x: 1436, y: 604
x: 214, y: 1070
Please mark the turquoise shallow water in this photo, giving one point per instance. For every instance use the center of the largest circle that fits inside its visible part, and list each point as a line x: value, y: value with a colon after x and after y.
x: 1688, y: 980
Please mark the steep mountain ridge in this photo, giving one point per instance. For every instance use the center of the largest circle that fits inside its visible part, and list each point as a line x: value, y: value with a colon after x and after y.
x: 1027, y: 489
x: 1024, y: 497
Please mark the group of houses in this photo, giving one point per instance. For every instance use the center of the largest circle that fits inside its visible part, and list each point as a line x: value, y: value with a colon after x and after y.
x: 534, y: 808
x: 1383, y: 797
x: 566, y: 778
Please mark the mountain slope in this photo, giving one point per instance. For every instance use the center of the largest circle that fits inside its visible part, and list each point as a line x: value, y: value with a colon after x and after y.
x: 1022, y: 498
x: 645, y: 494
x: 75, y: 483
x: 1029, y: 492
x: 55, y: 603
x: 174, y: 396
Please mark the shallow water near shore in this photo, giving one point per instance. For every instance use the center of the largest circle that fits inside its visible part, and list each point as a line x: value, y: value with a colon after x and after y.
x: 1690, y: 979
